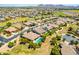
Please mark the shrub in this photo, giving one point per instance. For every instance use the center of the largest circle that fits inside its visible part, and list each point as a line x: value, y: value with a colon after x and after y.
x: 8, y: 24
x: 72, y: 42
x: 64, y: 39
x: 14, y: 41
x: 76, y: 42
x: 5, y: 54
x: 70, y: 29
x: 58, y: 37
x: 23, y: 41
x: 1, y: 44
x: 34, y: 45
x: 10, y: 44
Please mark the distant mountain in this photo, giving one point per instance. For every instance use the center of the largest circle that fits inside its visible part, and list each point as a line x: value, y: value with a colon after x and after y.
x: 59, y: 6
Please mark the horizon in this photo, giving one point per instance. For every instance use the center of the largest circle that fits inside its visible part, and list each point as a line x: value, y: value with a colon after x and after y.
x: 26, y: 5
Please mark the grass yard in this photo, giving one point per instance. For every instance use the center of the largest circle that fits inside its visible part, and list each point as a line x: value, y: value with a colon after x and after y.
x: 23, y: 49
x: 58, y: 13
x: 74, y: 10
x: 19, y: 19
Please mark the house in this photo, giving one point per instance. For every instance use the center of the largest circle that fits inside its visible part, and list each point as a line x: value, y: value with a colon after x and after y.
x: 39, y: 30
x: 2, y: 19
x: 3, y: 40
x: 18, y: 26
x: 50, y: 26
x: 67, y: 50
x: 30, y: 23
x: 11, y: 30
x: 59, y: 22
x: 30, y: 35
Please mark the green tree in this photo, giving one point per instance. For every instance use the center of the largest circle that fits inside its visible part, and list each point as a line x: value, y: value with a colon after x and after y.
x: 32, y: 45
x: 55, y: 50
x: 14, y: 41
x: 1, y: 44
x: 76, y: 42
x: 53, y: 41
x: 45, y: 35
x: 1, y: 30
x: 8, y: 24
x: 50, y: 32
x: 70, y: 29
x: 64, y: 39
x: 72, y: 42
x: 65, y: 24
x: 58, y: 37
x: 23, y: 41
x: 10, y: 44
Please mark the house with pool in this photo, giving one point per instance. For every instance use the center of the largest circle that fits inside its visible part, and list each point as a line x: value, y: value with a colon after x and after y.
x: 36, y: 38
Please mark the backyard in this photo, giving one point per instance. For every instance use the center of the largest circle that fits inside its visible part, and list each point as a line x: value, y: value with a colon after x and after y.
x: 23, y: 49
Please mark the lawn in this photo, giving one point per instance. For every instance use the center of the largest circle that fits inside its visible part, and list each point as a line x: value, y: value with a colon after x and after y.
x: 22, y: 49
x: 74, y: 10
x: 19, y: 19
x: 58, y: 13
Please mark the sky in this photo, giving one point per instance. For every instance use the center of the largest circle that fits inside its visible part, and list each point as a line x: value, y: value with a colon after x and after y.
x: 20, y: 5
x: 34, y: 2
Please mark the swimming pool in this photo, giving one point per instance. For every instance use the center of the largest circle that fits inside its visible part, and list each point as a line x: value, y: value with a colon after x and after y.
x: 38, y: 40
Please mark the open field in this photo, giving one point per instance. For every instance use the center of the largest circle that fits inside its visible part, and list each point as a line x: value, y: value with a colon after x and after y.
x: 59, y: 13
x: 73, y: 10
